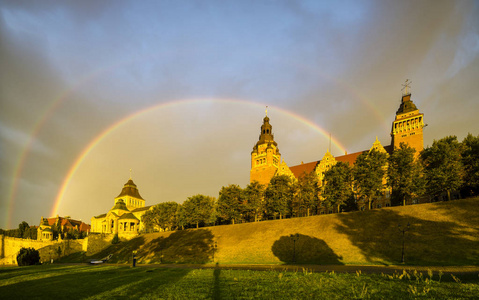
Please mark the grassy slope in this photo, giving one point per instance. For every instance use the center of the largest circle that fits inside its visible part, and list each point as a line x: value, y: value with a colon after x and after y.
x: 445, y: 233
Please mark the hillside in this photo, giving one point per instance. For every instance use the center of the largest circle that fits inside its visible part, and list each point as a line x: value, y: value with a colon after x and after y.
x: 445, y: 233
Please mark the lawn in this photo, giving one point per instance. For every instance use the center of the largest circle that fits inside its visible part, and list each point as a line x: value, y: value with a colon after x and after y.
x: 110, y: 281
x: 444, y: 233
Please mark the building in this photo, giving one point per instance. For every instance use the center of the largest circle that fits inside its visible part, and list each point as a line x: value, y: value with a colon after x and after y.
x: 67, y: 224
x: 407, y: 127
x: 124, y: 218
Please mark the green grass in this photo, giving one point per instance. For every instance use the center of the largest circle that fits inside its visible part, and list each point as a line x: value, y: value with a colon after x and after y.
x: 113, y: 282
x: 445, y: 233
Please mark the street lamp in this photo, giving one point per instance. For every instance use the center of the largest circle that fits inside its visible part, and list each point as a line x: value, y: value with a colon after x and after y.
x: 403, y: 231
x: 294, y: 237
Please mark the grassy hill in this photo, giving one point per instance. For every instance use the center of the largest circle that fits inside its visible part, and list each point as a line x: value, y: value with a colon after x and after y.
x: 445, y: 233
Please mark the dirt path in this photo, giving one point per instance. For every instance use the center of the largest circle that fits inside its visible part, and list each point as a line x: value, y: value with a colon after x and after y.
x: 369, y: 269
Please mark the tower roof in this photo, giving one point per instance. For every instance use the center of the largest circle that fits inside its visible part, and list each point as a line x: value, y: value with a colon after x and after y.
x: 130, y: 189
x: 266, y: 135
x: 406, y: 105
x: 120, y: 205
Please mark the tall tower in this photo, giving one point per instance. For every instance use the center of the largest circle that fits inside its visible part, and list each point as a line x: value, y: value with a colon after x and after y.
x: 265, y: 157
x: 408, y: 124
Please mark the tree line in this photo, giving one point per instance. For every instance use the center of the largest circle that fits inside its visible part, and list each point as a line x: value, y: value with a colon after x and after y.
x: 445, y: 167
x: 25, y: 231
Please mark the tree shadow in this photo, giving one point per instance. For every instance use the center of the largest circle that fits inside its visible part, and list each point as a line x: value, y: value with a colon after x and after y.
x: 186, y: 246
x: 95, y: 281
x: 303, y: 249
x: 380, y: 239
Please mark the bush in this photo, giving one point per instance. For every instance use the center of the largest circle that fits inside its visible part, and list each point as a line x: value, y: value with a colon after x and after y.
x: 115, y: 239
x: 28, y: 256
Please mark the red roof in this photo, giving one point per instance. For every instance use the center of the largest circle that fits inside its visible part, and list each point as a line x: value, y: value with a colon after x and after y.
x: 349, y: 158
x: 303, y: 168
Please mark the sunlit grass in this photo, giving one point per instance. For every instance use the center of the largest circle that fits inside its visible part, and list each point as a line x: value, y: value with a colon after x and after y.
x: 443, y: 233
x: 113, y: 282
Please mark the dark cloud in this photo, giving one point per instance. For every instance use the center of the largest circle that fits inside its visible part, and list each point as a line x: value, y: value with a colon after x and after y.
x: 72, y: 69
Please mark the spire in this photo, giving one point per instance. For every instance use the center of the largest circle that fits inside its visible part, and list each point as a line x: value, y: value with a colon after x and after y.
x: 406, y: 85
x: 266, y: 111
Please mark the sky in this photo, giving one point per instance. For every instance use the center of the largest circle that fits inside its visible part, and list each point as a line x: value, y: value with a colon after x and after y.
x: 176, y: 91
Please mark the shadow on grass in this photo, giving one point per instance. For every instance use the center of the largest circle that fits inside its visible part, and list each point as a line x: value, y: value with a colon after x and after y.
x: 185, y: 246
x: 303, y: 249
x: 377, y: 235
x: 99, y: 281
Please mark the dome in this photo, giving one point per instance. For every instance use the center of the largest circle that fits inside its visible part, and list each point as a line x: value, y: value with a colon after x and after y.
x: 120, y: 204
x: 130, y: 189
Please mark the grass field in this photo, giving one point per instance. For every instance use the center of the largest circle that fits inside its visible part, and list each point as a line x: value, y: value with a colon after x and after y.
x: 113, y: 282
x: 444, y: 233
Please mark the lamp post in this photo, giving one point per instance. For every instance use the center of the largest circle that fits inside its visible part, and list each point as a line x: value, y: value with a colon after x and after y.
x: 294, y: 237
x: 403, y: 231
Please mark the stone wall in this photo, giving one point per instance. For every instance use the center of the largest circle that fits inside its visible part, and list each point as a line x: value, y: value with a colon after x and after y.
x: 10, y: 247
x: 98, y: 242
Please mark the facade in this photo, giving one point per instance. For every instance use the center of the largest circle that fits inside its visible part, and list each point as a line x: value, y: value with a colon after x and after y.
x: 67, y: 224
x: 124, y: 218
x: 407, y: 127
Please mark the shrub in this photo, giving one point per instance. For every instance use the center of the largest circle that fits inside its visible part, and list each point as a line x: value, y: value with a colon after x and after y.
x: 28, y: 256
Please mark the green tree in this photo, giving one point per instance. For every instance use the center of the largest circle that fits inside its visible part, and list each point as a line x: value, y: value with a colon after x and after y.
x: 337, y: 188
x: 28, y: 257
x: 254, y: 194
x: 199, y: 209
x: 443, y: 166
x: 405, y: 176
x: 162, y: 215
x: 368, y: 174
x: 306, y: 194
x: 231, y: 203
x: 470, y: 160
x: 23, y: 230
x: 278, y: 196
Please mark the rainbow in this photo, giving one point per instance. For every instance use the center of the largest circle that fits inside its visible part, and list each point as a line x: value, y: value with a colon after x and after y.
x: 118, y: 124
x: 64, y: 95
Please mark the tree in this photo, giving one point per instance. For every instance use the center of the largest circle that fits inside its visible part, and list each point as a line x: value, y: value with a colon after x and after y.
x: 368, y: 173
x: 230, y: 203
x: 443, y: 166
x: 278, y: 196
x: 253, y: 194
x: 470, y: 160
x: 162, y: 215
x: 337, y: 189
x: 199, y: 209
x: 22, y: 229
x: 28, y: 257
x: 306, y: 191
x: 405, y: 175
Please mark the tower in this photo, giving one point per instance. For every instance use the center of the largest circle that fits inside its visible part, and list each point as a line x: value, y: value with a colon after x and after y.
x: 408, y: 125
x: 130, y: 196
x: 265, y: 157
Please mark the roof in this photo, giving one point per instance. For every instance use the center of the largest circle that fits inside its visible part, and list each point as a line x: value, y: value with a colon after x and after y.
x: 349, y: 158
x: 120, y: 205
x: 130, y: 189
x: 141, y: 209
x: 100, y: 216
x: 128, y: 216
x: 303, y: 168
x: 406, y: 105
